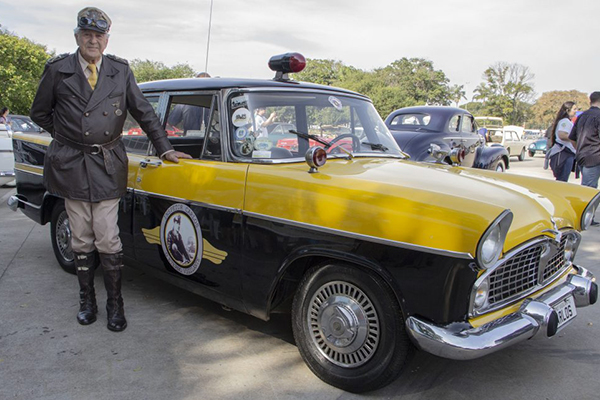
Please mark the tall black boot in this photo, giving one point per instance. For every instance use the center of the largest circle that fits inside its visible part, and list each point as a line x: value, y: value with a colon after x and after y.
x: 84, y: 265
x: 112, y: 264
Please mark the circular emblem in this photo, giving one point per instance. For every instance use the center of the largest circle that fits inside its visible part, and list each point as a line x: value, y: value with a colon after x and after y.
x: 241, y: 133
x: 335, y: 102
x: 118, y: 112
x: 241, y: 117
x: 262, y: 144
x: 181, y: 239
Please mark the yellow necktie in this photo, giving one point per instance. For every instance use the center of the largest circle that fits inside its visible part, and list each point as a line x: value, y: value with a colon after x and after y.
x: 93, y: 78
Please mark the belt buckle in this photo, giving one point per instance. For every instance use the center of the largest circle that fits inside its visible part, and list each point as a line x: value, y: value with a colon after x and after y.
x: 98, y: 147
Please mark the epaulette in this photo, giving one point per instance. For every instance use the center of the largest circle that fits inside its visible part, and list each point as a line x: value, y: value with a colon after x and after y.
x: 57, y: 58
x: 117, y: 59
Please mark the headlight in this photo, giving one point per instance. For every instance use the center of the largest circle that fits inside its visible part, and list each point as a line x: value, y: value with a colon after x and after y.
x: 481, y: 293
x: 532, y: 146
x: 588, y: 213
x: 571, y: 245
x: 490, y: 246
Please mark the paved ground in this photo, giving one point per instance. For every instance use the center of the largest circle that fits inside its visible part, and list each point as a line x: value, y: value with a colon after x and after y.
x: 180, y: 346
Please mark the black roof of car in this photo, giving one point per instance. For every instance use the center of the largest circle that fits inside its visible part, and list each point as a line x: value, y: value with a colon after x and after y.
x: 226, y: 83
x: 439, y: 110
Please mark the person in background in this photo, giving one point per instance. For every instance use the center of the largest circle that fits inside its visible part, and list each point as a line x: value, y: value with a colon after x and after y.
x: 4, y: 116
x: 561, y: 153
x: 261, y: 123
x: 586, y: 136
x: 191, y: 117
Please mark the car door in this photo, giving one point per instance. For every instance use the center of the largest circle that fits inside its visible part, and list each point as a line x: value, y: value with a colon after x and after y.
x: 187, y: 216
x: 470, y: 139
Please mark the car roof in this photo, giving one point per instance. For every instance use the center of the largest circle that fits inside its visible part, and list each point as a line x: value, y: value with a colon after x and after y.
x: 440, y: 110
x: 230, y: 83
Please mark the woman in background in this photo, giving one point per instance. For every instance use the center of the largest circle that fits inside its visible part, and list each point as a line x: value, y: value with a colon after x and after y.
x: 561, y: 155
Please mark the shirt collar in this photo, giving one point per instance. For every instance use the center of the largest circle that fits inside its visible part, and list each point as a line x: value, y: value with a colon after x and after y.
x: 84, y: 63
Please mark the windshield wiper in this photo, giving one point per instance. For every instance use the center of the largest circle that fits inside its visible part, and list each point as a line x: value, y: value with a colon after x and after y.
x: 327, y: 145
x: 376, y: 146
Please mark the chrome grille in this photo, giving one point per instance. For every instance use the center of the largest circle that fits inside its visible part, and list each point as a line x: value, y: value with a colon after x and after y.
x: 556, y: 263
x: 516, y: 275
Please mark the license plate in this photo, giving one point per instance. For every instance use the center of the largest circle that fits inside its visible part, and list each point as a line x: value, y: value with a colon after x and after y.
x: 566, y: 311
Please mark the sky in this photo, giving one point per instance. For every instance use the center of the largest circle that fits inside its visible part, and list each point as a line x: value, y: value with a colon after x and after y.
x: 558, y: 42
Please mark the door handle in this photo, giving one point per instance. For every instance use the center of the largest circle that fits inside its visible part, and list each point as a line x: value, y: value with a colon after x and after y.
x: 150, y: 163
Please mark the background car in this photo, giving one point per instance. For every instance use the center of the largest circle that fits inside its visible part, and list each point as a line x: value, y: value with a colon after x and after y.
x: 514, y: 142
x: 537, y: 146
x: 22, y: 123
x: 7, y: 160
x: 444, y: 134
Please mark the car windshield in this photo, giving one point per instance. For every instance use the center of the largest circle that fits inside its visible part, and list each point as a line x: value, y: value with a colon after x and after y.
x: 23, y: 125
x: 279, y: 125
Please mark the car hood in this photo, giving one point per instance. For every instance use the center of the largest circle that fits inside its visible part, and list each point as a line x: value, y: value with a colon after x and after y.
x: 428, y: 205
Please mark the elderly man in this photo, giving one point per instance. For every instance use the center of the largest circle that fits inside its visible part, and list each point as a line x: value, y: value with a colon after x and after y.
x: 82, y: 100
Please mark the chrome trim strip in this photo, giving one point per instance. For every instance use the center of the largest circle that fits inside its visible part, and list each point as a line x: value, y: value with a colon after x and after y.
x: 534, y: 318
x: 194, y: 203
x: 41, y: 169
x: 352, y: 235
x: 26, y: 202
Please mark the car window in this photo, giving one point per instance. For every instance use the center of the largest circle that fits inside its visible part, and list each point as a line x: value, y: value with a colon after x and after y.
x: 411, y: 119
x: 261, y: 125
x: 454, y: 123
x: 134, y: 138
x: 468, y: 125
x: 212, y: 144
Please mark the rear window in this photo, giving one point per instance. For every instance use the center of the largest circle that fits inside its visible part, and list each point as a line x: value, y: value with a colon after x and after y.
x: 413, y: 119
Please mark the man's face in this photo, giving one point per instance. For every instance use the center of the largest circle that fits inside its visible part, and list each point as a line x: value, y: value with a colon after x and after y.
x: 91, y: 44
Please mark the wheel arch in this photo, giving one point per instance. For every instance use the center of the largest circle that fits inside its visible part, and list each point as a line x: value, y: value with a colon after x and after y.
x: 48, y: 205
x: 296, y: 265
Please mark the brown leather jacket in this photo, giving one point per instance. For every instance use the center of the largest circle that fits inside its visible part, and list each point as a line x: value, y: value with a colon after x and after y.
x: 66, y: 106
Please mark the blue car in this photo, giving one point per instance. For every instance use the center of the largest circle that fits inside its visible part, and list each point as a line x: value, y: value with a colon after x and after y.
x: 446, y: 135
x: 538, y: 146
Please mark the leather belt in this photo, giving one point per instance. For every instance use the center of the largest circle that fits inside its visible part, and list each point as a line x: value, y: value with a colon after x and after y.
x: 93, y: 149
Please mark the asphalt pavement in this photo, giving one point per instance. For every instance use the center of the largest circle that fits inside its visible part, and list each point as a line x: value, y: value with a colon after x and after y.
x: 181, y: 346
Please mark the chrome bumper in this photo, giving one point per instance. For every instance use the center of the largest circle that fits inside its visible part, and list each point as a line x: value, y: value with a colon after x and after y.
x: 536, y: 316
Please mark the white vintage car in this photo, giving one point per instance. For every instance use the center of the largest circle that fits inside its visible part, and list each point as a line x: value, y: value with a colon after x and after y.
x: 7, y: 160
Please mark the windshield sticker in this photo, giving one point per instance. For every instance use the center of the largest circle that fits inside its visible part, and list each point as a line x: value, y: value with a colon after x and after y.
x: 239, y: 101
x: 241, y: 133
x: 336, y: 103
x: 241, y: 117
x: 262, y: 144
x: 247, y: 147
x: 261, y: 154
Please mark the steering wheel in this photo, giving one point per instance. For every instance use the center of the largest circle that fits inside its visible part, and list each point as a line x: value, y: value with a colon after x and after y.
x: 355, y: 142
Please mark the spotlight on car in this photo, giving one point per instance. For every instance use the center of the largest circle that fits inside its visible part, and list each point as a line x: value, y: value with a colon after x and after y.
x: 315, y: 157
x: 283, y: 64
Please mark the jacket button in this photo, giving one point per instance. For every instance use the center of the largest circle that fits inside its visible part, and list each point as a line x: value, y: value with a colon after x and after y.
x: 105, y: 113
x: 87, y: 134
x: 87, y: 114
x: 107, y: 133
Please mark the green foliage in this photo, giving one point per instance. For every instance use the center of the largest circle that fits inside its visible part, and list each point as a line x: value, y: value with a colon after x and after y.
x: 405, y: 82
x: 21, y: 65
x: 545, y: 108
x: 506, y: 92
x: 147, y: 70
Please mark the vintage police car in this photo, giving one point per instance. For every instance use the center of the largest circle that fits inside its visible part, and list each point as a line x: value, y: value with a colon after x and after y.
x: 371, y: 252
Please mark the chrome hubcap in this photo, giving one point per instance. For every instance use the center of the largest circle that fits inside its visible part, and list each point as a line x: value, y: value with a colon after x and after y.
x: 63, y: 237
x: 343, y: 324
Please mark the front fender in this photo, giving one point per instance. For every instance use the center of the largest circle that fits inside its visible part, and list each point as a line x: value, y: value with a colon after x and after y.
x: 488, y: 157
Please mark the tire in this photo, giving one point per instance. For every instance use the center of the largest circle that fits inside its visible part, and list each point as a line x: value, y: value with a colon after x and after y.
x: 61, y: 238
x: 500, y: 167
x: 531, y: 153
x: 329, y: 299
x: 522, y: 155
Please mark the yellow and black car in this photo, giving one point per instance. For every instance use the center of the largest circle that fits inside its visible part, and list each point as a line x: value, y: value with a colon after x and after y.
x: 298, y: 199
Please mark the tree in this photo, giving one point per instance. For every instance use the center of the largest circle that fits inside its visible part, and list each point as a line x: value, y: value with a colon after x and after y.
x: 405, y: 82
x: 506, y: 91
x: 21, y: 65
x: 457, y: 93
x: 545, y: 108
x: 147, y: 70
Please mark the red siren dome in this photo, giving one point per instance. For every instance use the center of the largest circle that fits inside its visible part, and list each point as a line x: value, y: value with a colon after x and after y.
x: 283, y: 64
